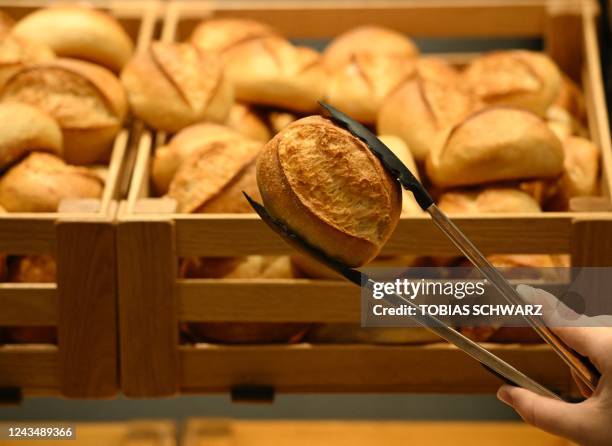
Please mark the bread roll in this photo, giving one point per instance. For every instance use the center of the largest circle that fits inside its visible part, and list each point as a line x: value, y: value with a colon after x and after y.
x: 570, y: 98
x: 168, y: 158
x: 518, y: 78
x: 280, y: 119
x: 79, y: 32
x: 24, y: 129
x: 563, y: 123
x: 360, y: 86
x: 496, y: 144
x: 491, y: 200
x: 41, y: 181
x: 329, y: 188
x: 213, y: 177
x: 353, y: 333
x: 17, y: 52
x: 252, y: 267
x: 409, y: 204
x: 173, y: 85
x: 39, y: 268
x: 422, y: 112
x: 367, y: 39
x: 86, y: 100
x: 264, y: 67
x: 6, y: 23
x: 248, y: 122
x: 581, y: 168
x: 436, y: 69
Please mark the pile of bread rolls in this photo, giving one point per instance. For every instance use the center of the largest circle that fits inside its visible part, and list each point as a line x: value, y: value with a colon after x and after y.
x: 61, y: 106
x: 505, y: 133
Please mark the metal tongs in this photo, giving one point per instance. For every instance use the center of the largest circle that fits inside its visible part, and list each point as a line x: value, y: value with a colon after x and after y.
x: 582, y: 369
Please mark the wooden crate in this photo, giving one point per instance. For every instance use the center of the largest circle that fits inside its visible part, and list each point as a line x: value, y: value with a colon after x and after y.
x: 151, y: 237
x: 131, y: 433
x: 83, y: 302
x: 201, y: 432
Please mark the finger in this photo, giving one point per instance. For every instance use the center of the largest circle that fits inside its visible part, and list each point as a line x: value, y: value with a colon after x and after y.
x: 556, y: 417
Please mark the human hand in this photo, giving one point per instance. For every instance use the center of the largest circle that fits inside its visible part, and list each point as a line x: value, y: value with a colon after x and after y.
x: 588, y: 423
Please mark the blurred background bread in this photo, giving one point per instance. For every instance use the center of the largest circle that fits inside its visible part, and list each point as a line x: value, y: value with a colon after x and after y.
x: 24, y: 129
x: 41, y: 181
x: 488, y: 200
x: 16, y: 52
x: 520, y: 78
x: 496, y: 144
x: 264, y: 67
x: 370, y: 39
x: 86, y: 100
x: 328, y: 187
x: 6, y: 23
x: 78, y: 31
x: 173, y: 85
x: 247, y: 121
x: 580, y: 170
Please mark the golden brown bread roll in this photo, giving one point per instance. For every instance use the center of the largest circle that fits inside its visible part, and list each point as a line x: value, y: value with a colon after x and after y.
x: 252, y: 267
x: 360, y: 86
x: 518, y: 78
x: 41, y: 181
x: 422, y: 112
x: 329, y: 188
x: 79, y: 32
x: 367, y: 39
x: 353, y: 333
x: 39, y: 268
x: 213, y: 177
x: 248, y: 122
x: 173, y: 85
x: 6, y: 23
x: 581, y: 168
x: 86, y: 100
x: 496, y: 144
x: 437, y: 70
x: 570, y: 98
x: 264, y: 67
x: 16, y: 52
x: 490, y: 200
x: 24, y: 129
x: 280, y: 119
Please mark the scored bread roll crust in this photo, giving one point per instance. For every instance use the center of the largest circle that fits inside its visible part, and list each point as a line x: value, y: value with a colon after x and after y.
x: 264, y: 67
x: 79, y: 32
x: 518, y: 78
x: 24, y: 129
x: 168, y: 158
x: 490, y: 200
x: 248, y: 122
x: 173, y: 85
x: 213, y: 177
x: 41, y: 181
x: 423, y: 111
x: 496, y: 144
x: 359, y: 87
x: 328, y: 187
x: 86, y: 100
x: 16, y: 52
x: 367, y: 39
x: 581, y: 168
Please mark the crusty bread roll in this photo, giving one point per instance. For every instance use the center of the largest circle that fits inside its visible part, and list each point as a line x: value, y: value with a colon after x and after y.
x: 329, y: 188
x: 16, y: 52
x: 264, y: 67
x: 251, y: 267
x: 518, y: 78
x: 168, y: 158
x: 367, y: 39
x: 422, y: 112
x: 581, y: 168
x: 490, y: 200
x: 79, y: 32
x: 360, y: 86
x: 353, y: 333
x: 570, y: 98
x: 436, y: 69
x: 41, y: 181
x: 396, y: 144
x: 278, y: 120
x: 248, y: 122
x: 173, y: 85
x: 6, y: 23
x: 563, y: 123
x: 213, y: 177
x: 24, y: 129
x: 39, y: 268
x: 86, y: 100
x: 496, y: 144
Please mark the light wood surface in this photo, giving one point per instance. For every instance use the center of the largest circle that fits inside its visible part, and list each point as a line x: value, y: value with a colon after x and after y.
x: 211, y: 432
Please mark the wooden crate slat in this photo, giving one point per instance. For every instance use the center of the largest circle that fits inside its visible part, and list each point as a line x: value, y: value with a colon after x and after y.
x: 29, y: 366
x: 360, y: 368
x: 27, y: 233
x: 28, y: 304
x: 538, y: 234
